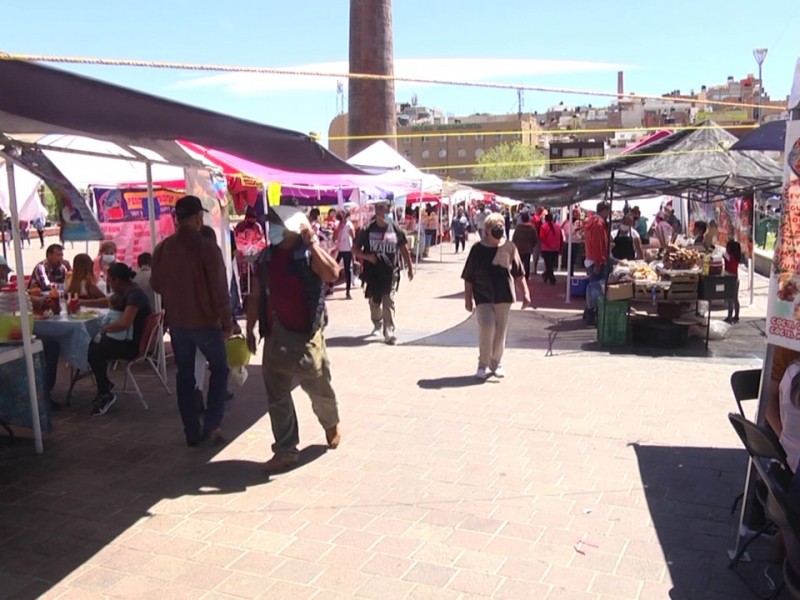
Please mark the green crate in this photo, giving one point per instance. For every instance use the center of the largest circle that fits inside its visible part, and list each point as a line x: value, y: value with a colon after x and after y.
x: 612, y: 322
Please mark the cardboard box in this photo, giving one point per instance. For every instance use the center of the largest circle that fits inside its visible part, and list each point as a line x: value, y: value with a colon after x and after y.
x: 619, y: 291
x: 645, y: 292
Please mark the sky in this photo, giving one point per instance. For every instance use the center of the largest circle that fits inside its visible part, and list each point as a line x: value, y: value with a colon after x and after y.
x: 661, y: 46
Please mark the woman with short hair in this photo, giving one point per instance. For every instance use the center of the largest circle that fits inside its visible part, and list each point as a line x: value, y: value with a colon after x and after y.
x: 492, y: 270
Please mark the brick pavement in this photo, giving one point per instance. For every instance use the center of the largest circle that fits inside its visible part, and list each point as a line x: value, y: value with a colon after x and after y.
x: 442, y: 488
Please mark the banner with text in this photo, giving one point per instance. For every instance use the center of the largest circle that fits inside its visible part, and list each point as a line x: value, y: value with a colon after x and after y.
x: 124, y: 218
x: 783, y: 312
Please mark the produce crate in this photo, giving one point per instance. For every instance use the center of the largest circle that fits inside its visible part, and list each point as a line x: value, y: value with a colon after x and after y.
x: 619, y: 291
x: 644, y: 292
x: 717, y: 287
x: 612, y: 322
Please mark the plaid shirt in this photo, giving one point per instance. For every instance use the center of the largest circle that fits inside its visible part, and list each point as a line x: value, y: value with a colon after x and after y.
x: 46, y: 275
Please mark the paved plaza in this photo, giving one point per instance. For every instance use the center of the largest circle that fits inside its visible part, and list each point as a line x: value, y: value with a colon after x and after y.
x: 583, y: 475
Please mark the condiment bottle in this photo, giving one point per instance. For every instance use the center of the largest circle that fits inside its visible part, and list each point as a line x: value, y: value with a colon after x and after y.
x: 55, y: 301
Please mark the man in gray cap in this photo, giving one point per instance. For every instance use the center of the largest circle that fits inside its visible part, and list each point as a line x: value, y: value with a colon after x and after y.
x: 189, y: 273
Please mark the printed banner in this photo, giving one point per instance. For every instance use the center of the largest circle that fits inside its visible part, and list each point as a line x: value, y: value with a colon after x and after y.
x: 77, y: 221
x: 733, y: 216
x: 783, y: 312
x: 124, y: 218
x: 212, y: 192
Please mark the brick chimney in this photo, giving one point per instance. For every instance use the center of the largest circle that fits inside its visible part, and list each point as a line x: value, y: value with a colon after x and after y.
x: 620, y: 85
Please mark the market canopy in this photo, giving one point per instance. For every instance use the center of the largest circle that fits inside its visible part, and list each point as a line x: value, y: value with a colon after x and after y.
x: 381, y: 158
x: 770, y: 137
x: 42, y: 100
x: 694, y: 162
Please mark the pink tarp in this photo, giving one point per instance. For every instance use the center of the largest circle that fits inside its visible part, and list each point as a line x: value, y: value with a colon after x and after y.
x: 231, y: 164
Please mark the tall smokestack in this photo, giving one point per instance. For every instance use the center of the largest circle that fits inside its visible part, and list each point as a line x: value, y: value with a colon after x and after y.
x: 371, y: 108
x: 620, y: 85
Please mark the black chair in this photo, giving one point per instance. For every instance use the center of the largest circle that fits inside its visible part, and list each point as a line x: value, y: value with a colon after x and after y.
x: 769, y: 459
x: 746, y: 385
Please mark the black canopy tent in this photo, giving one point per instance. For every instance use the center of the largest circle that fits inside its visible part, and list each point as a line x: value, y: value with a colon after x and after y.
x: 694, y: 163
x: 770, y: 137
x: 39, y: 99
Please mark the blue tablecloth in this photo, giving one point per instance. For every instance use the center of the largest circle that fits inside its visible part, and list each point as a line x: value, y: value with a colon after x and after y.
x: 15, y: 406
x: 73, y: 337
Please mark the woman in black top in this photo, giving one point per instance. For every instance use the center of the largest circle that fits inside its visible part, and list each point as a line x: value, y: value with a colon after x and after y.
x: 490, y: 273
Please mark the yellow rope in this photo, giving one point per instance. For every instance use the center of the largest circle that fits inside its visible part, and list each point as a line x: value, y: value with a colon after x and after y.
x: 275, y: 71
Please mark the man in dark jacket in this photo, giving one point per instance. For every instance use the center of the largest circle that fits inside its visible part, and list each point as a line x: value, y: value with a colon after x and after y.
x: 525, y: 239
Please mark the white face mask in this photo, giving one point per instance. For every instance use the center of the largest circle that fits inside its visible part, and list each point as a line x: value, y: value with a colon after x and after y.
x: 108, y: 258
x: 624, y: 228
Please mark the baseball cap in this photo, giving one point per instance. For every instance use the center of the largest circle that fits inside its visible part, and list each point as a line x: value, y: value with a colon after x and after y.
x: 4, y: 263
x: 291, y: 217
x: 188, y: 206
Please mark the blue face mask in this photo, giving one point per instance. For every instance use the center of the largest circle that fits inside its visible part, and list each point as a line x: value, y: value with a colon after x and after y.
x: 275, y: 234
x: 390, y: 216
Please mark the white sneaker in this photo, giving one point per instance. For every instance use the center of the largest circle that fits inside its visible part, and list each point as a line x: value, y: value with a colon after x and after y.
x: 499, y: 372
x: 391, y: 340
x: 481, y: 374
x: 376, y: 331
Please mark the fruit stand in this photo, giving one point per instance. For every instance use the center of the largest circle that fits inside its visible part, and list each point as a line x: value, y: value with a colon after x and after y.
x: 679, y: 289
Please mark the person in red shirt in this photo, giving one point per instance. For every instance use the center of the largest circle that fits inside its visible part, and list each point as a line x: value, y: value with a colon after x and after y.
x: 550, y: 240
x: 733, y: 256
x: 596, y: 237
x: 537, y: 220
x: 289, y: 295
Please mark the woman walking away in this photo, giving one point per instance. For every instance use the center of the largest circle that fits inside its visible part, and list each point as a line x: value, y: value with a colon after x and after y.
x: 343, y: 237
x: 525, y: 239
x: 490, y: 273
x: 733, y: 256
x: 459, y: 228
x: 551, y: 239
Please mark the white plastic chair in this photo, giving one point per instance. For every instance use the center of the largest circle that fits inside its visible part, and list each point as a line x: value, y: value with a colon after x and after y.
x: 148, y: 354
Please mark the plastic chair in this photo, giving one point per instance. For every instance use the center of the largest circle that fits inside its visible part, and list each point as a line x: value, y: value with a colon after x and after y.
x: 746, y: 385
x: 148, y: 354
x: 769, y: 459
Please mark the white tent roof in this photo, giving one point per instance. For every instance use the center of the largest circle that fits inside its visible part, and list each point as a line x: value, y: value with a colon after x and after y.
x: 380, y: 157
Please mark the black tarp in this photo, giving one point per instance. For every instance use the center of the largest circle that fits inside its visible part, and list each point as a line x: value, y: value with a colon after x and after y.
x: 770, y: 137
x: 691, y: 162
x: 35, y: 99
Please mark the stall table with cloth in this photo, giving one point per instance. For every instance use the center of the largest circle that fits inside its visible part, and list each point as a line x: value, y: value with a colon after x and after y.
x: 15, y: 407
x: 73, y: 333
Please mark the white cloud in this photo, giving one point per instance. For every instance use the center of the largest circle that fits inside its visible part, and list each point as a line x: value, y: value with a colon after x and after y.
x: 451, y: 69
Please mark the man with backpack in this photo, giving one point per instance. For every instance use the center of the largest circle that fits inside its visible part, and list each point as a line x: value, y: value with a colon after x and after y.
x: 378, y: 245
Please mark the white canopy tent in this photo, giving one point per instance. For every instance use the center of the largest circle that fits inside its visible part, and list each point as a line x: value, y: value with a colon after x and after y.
x: 29, y: 204
x: 380, y: 158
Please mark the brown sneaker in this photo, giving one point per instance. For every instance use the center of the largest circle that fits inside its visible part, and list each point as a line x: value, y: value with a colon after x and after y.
x: 333, y: 437
x: 281, y: 462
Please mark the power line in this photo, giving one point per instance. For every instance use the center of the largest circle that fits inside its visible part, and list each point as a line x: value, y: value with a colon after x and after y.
x: 296, y: 72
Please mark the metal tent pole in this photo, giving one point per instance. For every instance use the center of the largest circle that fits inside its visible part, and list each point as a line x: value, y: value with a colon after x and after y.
x: 752, y: 269
x: 567, y: 298
x: 151, y: 217
x: 27, y: 341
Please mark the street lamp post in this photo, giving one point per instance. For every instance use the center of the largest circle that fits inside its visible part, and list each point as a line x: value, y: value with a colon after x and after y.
x: 759, y: 54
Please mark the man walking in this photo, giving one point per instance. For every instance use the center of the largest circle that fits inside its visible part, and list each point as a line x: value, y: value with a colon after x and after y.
x: 596, y: 235
x: 189, y: 273
x: 378, y: 245
x: 459, y: 228
x: 288, y: 302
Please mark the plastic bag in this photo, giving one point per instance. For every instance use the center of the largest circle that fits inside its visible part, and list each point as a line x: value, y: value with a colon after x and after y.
x: 238, y: 376
x: 237, y: 351
x: 718, y: 330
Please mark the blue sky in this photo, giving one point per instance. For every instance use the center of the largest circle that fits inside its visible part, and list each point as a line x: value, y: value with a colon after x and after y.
x: 661, y: 46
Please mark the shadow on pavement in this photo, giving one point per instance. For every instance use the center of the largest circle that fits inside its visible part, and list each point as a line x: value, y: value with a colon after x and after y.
x: 689, y: 493
x: 346, y: 341
x: 441, y: 383
x: 101, y: 476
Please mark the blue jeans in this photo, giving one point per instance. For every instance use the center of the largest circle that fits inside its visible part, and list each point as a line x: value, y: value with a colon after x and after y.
x: 185, y: 343
x: 594, y: 289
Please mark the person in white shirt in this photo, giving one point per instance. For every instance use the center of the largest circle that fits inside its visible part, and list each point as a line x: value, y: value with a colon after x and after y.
x: 789, y: 402
x: 144, y: 262
x: 343, y: 238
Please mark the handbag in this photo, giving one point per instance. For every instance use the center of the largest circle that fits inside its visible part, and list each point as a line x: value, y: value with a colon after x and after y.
x: 295, y: 353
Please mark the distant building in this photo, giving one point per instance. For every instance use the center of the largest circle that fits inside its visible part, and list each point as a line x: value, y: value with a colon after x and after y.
x: 568, y: 154
x: 449, y: 146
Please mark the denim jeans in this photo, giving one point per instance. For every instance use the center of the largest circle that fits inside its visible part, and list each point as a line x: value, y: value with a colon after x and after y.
x: 185, y: 344
x: 594, y: 289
